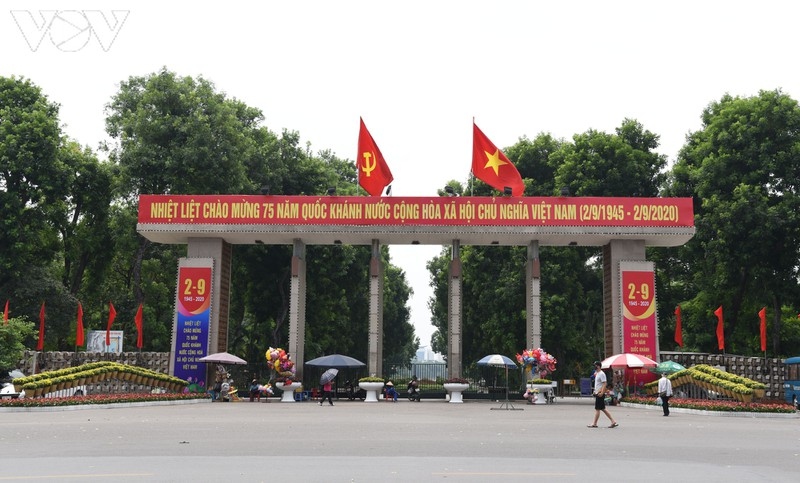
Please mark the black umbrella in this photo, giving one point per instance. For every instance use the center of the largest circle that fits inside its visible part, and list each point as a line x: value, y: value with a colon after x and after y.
x: 335, y: 360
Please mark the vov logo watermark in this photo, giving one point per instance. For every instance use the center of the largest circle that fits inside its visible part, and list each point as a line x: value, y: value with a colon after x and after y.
x: 69, y: 30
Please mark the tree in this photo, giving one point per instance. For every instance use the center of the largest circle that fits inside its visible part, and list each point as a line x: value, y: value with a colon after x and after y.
x: 743, y: 168
x: 13, y: 336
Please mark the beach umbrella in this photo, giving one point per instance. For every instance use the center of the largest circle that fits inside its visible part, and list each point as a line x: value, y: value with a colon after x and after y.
x: 222, y: 358
x: 335, y: 360
x: 497, y: 360
x: 628, y: 360
x: 667, y: 367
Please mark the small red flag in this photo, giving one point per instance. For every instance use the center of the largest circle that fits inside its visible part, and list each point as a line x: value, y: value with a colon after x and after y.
x: 491, y: 166
x: 111, y: 315
x: 373, y: 172
x: 762, y: 314
x: 138, y: 320
x: 5, y: 313
x: 40, y: 344
x: 720, y: 330
x: 79, y: 338
x: 678, y: 326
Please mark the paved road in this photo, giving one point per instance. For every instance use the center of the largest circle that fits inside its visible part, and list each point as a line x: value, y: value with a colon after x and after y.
x: 368, y: 442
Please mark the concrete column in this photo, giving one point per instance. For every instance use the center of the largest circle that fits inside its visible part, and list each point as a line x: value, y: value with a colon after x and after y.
x: 220, y: 251
x: 533, y: 297
x: 375, y: 358
x: 454, y: 317
x: 297, y: 307
x: 613, y: 253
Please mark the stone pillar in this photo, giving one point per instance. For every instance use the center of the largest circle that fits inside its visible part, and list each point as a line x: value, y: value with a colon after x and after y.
x: 454, y: 317
x: 221, y: 252
x: 613, y: 253
x: 297, y: 307
x: 533, y: 297
x: 375, y: 359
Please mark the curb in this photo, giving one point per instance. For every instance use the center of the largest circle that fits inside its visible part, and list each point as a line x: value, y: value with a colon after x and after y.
x: 723, y: 414
x: 79, y: 407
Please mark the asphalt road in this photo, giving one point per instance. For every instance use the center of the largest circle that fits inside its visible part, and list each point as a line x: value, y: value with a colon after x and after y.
x: 369, y: 442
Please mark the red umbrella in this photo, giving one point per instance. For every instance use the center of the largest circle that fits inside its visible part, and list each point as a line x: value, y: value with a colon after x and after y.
x: 627, y: 360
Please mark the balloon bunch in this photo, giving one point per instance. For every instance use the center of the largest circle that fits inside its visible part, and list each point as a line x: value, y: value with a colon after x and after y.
x: 281, y: 362
x: 537, y: 360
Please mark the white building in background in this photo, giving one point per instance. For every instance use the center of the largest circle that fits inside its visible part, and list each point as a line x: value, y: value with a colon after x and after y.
x: 425, y: 354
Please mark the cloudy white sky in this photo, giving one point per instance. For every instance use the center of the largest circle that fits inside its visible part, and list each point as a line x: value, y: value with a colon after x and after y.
x: 416, y: 71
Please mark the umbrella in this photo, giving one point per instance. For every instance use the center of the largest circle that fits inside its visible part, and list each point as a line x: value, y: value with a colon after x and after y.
x: 335, y: 360
x: 222, y: 358
x: 497, y: 360
x: 633, y: 361
x: 667, y: 367
x: 328, y: 376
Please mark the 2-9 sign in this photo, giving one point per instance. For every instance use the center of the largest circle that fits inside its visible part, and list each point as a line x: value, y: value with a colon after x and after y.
x: 194, y: 285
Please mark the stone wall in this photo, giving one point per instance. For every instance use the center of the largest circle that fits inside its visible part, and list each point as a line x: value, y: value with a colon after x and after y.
x: 767, y: 371
x: 35, y: 362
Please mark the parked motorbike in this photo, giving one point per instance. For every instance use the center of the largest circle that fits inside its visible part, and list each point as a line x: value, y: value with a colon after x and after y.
x: 414, y: 394
x: 354, y: 392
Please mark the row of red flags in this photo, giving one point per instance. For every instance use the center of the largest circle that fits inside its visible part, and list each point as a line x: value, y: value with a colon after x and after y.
x: 762, y: 315
x: 79, y: 335
x: 489, y: 164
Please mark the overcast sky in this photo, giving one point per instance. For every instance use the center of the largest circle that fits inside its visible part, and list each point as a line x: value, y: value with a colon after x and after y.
x: 416, y: 71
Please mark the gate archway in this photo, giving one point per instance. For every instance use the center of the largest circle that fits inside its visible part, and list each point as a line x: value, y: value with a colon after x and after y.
x: 211, y: 224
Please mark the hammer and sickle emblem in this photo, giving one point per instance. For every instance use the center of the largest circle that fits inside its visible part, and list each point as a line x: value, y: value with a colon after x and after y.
x: 367, y: 167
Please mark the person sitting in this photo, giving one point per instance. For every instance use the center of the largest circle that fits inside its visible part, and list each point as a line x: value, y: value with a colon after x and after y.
x: 391, y: 392
x: 255, y: 392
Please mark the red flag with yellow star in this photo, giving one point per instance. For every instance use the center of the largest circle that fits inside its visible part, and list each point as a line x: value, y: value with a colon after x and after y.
x: 373, y: 172
x: 491, y: 166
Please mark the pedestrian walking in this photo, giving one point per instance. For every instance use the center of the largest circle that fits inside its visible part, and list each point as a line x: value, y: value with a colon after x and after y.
x: 327, y: 393
x: 665, y: 392
x: 600, y: 383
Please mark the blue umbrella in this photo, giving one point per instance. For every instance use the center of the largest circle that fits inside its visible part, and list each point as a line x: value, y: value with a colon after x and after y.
x: 497, y: 360
x: 335, y: 360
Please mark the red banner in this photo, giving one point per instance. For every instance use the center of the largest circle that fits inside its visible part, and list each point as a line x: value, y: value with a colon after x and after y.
x: 415, y: 211
x: 639, y: 319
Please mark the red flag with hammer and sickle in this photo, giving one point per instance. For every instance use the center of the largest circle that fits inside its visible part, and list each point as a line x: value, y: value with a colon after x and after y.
x: 373, y: 172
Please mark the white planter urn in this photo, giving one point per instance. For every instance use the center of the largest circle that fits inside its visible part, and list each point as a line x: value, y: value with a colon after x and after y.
x: 371, y: 388
x: 456, y: 389
x: 288, y: 390
x: 544, y: 389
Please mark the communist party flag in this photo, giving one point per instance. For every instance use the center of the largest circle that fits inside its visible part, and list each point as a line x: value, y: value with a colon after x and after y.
x: 720, y: 330
x: 138, y: 320
x: 678, y: 327
x: 373, y: 172
x: 762, y: 314
x: 5, y: 313
x: 491, y: 166
x: 40, y: 344
x: 111, y: 315
x: 79, y: 338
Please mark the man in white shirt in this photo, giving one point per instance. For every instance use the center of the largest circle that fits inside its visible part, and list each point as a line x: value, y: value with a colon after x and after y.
x: 665, y: 392
x: 600, y: 383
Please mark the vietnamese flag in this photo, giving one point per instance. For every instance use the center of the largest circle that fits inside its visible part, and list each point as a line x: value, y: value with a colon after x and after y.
x: 491, y: 166
x: 79, y: 338
x: 720, y: 330
x: 678, y: 327
x: 5, y: 313
x: 762, y: 314
x: 138, y: 321
x: 40, y: 344
x: 373, y: 172
x: 111, y: 315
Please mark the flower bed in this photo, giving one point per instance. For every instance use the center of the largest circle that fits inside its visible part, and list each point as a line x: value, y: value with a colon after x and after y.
x: 98, y: 399
x: 716, y: 405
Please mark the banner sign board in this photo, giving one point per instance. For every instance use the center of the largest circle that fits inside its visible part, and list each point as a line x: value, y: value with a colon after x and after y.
x: 639, y: 328
x: 191, y: 336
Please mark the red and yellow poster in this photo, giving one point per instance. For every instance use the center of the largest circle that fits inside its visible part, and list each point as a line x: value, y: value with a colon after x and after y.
x: 639, y: 329
x: 191, y: 330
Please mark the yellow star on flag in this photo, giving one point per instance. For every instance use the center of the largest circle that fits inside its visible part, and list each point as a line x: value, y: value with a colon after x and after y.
x: 494, y: 161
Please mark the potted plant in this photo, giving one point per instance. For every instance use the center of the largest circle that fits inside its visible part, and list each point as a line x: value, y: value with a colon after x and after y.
x: 455, y: 386
x: 371, y: 385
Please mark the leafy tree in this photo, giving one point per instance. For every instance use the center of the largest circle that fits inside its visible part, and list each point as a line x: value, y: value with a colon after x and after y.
x: 13, y: 336
x: 742, y: 168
